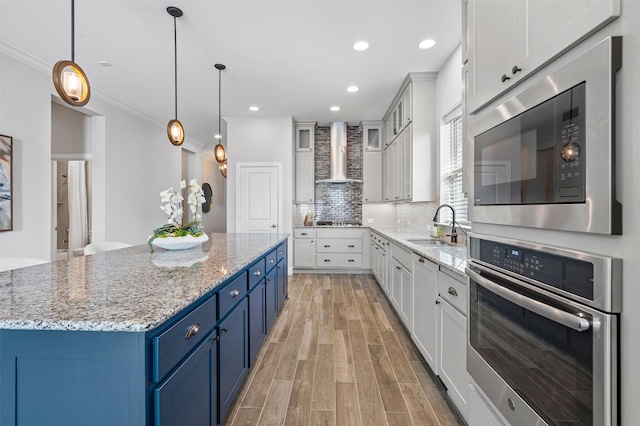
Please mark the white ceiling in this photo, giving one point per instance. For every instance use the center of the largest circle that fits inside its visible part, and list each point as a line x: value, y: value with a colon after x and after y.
x: 289, y: 57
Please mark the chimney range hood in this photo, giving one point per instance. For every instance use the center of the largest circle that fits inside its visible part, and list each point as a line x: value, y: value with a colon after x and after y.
x: 339, y: 155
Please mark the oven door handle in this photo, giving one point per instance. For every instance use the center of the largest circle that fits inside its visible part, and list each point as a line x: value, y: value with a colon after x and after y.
x: 561, y: 317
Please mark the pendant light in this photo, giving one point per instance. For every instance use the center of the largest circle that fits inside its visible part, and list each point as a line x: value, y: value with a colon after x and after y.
x: 223, y: 168
x: 70, y: 81
x: 175, y: 131
x: 219, y: 151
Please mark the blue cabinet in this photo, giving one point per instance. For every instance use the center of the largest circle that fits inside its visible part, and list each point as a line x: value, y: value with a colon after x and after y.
x: 185, y: 397
x: 233, y: 350
x: 271, y: 297
x: 257, y: 320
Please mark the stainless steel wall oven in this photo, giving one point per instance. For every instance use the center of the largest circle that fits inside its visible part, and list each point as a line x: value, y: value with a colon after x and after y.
x: 545, y: 158
x: 543, y: 331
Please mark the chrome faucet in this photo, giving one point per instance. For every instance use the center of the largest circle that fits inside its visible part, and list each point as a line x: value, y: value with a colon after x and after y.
x: 454, y: 236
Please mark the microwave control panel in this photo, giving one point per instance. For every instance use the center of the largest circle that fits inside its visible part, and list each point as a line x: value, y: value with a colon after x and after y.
x: 570, y: 149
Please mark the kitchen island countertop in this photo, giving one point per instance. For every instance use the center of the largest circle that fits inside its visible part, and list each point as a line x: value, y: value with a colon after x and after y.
x: 131, y: 289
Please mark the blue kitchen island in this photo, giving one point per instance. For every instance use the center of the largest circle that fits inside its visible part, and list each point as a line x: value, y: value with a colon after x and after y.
x: 130, y: 337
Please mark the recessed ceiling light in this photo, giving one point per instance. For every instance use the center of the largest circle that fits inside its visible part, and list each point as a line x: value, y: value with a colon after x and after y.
x: 427, y: 44
x: 352, y: 89
x: 254, y: 108
x: 360, y: 46
x: 335, y: 108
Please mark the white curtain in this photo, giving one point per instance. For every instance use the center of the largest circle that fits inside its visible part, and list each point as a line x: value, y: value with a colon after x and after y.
x: 78, y: 217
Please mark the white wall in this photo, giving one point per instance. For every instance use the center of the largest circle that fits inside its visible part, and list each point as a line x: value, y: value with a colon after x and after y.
x: 261, y: 139
x: 70, y: 130
x: 133, y: 161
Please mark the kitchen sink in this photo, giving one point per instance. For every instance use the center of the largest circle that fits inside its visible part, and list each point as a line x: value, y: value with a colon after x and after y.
x: 425, y: 241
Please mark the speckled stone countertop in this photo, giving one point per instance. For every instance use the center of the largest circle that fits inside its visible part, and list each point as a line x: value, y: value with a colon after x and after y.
x: 452, y: 257
x: 130, y: 289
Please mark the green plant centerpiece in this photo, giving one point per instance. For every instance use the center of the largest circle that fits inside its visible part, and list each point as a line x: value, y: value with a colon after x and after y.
x: 182, y: 235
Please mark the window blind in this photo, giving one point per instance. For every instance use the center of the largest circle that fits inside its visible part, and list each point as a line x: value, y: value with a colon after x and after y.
x: 451, y: 170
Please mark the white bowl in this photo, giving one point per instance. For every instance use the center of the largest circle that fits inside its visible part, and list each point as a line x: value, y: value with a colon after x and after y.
x: 180, y: 243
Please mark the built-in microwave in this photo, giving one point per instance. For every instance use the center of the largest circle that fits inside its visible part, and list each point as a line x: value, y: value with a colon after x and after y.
x: 545, y: 157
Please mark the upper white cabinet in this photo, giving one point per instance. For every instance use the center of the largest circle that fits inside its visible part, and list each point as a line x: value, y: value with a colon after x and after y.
x: 506, y: 40
x: 305, y: 163
x: 372, y: 162
x: 409, y: 164
x: 305, y: 136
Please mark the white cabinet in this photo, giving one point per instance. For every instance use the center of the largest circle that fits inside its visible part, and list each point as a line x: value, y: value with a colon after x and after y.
x: 409, y: 163
x: 425, y: 314
x: 452, y: 340
x: 380, y: 264
x: 402, y: 284
x: 507, y: 40
x: 372, y: 162
x: 304, y: 163
x: 304, y: 248
x: 341, y: 248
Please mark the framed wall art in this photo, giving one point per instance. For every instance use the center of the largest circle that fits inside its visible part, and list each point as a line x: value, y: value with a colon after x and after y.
x: 6, y: 183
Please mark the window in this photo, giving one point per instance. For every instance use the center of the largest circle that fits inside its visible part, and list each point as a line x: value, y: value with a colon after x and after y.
x: 451, y: 169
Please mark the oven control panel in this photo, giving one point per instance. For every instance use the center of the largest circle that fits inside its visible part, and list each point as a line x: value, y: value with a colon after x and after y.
x: 571, y: 275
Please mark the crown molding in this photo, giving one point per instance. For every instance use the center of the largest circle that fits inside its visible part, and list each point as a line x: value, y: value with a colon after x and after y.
x: 46, y: 68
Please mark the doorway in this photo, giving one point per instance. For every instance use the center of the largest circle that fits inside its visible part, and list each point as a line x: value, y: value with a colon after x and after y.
x: 259, y: 189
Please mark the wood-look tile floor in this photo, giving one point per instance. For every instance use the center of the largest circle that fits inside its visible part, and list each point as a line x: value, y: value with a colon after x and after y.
x: 337, y: 355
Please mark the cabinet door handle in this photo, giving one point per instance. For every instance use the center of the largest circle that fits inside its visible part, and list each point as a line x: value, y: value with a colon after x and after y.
x: 504, y: 78
x: 398, y: 268
x: 281, y: 252
x: 271, y: 260
x: 266, y: 280
x: 351, y: 260
x: 224, y: 330
x: 193, y: 330
x: 515, y: 69
x: 421, y: 260
x: 327, y: 260
x: 234, y: 293
x: 351, y: 246
x: 257, y: 273
x: 452, y: 291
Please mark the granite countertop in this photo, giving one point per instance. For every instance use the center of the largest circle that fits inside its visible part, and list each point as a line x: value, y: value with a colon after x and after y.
x: 452, y: 257
x: 129, y: 290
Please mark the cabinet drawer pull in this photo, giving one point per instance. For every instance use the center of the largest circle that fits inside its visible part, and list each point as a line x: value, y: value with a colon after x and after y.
x: 421, y: 260
x: 234, y: 293
x: 281, y: 252
x: 504, y: 78
x: 452, y: 291
x: 351, y: 246
x: 271, y: 260
x: 304, y: 233
x: 257, y: 273
x: 351, y: 260
x: 327, y: 245
x: 193, y: 330
x: 327, y: 260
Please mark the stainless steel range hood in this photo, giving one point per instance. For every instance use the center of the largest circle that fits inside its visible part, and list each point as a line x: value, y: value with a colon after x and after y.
x: 339, y: 155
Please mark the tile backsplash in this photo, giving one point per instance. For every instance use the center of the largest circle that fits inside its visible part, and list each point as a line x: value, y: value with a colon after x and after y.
x: 338, y: 202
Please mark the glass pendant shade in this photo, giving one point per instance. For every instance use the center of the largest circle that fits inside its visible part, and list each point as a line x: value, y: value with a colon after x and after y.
x: 220, y: 153
x: 71, y: 83
x: 175, y: 131
x: 223, y: 168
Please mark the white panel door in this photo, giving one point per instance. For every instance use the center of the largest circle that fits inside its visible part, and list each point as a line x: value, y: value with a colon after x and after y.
x: 258, y: 199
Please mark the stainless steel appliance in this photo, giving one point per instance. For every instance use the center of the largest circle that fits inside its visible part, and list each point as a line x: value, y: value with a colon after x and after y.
x: 545, y: 157
x: 543, y: 331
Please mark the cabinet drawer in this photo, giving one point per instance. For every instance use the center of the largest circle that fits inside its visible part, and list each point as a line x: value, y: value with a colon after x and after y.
x: 339, y: 260
x: 453, y: 291
x: 304, y: 233
x: 231, y: 294
x: 335, y: 245
x: 281, y: 251
x: 402, y: 256
x: 271, y: 259
x: 339, y: 233
x: 257, y: 272
x: 176, y: 341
